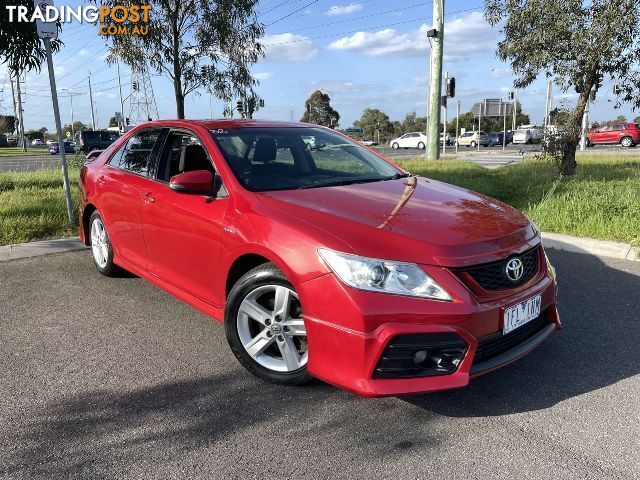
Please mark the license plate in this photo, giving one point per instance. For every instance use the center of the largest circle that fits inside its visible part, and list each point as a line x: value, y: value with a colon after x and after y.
x: 522, y: 313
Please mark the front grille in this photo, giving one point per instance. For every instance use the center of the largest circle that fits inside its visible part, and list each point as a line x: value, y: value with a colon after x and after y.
x: 492, y: 276
x: 497, y: 343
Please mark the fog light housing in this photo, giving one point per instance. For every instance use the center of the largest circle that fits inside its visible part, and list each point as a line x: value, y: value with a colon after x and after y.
x: 421, y: 355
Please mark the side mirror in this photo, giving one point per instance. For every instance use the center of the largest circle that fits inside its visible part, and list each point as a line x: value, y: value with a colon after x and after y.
x: 198, y: 182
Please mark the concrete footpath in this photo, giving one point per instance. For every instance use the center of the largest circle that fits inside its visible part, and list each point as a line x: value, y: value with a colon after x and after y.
x: 556, y: 241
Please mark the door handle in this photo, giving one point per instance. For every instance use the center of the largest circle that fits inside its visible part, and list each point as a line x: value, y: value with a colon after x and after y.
x: 148, y: 198
x: 101, y: 180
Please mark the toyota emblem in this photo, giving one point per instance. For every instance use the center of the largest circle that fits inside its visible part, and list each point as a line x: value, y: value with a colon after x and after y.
x: 514, y: 269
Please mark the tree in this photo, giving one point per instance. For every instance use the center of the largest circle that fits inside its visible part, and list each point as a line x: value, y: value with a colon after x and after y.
x: 574, y: 42
x: 621, y: 118
x: 78, y: 126
x: 374, y: 120
x: 196, y: 44
x: 35, y: 134
x: 113, y: 122
x: 318, y: 109
x: 413, y: 123
x: 636, y: 119
x: 7, y: 124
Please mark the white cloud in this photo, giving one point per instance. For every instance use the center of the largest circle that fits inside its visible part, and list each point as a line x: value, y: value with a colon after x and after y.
x: 263, y: 75
x: 464, y: 36
x: 499, y: 73
x: 344, y: 9
x: 339, y: 87
x: 288, y: 47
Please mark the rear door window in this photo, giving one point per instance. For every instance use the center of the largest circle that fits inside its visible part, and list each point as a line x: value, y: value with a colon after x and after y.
x: 136, y: 154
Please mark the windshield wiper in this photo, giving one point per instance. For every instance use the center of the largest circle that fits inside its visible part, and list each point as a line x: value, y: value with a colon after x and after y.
x: 346, y: 181
x: 399, y: 175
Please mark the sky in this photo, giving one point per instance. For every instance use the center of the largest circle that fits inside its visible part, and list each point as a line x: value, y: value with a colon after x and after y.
x: 364, y: 54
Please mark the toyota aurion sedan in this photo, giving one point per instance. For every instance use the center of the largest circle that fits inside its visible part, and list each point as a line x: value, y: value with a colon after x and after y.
x: 322, y: 258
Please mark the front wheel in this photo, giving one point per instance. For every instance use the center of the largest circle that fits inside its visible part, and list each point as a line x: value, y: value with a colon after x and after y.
x: 421, y: 146
x: 265, y: 329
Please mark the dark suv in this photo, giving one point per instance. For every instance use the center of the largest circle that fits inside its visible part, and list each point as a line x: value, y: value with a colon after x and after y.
x: 95, y: 140
x: 626, y: 134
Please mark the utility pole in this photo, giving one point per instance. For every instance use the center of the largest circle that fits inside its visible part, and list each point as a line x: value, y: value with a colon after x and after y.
x: 56, y: 113
x: 23, y: 140
x: 547, y: 113
x: 504, y: 127
x: 457, y: 123
x: 68, y: 90
x: 435, y: 90
x: 15, y: 108
x: 515, y: 109
x: 585, y: 127
x: 444, y: 129
x: 93, y: 118
x: 121, y: 101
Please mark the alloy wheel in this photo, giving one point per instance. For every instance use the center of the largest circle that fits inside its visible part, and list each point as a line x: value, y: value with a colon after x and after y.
x: 99, y: 243
x: 271, y: 328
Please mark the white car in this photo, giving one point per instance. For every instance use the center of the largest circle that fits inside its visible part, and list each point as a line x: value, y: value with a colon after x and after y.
x: 410, y: 140
x: 37, y: 142
x: 527, y: 134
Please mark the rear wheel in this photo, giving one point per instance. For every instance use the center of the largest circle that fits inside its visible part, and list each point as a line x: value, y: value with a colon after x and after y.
x: 395, y: 146
x: 421, y: 146
x: 101, y: 248
x: 627, y: 142
x: 265, y: 329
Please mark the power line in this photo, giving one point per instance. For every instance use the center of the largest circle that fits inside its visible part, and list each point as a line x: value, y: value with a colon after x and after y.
x: 292, y: 13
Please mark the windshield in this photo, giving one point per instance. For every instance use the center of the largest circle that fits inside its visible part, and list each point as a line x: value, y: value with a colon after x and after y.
x: 265, y: 159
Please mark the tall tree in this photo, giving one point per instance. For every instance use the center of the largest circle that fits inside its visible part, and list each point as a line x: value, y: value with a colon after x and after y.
x: 573, y: 42
x: 373, y: 120
x: 7, y: 124
x: 413, y: 123
x: 318, y: 109
x: 197, y: 44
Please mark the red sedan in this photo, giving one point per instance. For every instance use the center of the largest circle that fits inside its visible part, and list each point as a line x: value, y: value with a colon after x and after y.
x: 321, y: 258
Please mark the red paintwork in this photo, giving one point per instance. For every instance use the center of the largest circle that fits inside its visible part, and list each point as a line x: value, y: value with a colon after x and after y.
x: 614, y: 133
x: 186, y: 244
x: 196, y: 181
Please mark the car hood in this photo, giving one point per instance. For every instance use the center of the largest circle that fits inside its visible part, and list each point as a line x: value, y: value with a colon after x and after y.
x: 413, y: 219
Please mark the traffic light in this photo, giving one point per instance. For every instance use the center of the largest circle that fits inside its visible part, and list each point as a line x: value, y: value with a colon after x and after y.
x: 135, y: 86
x: 599, y: 78
x: 592, y: 96
x: 240, y: 106
x: 511, y: 96
x: 617, y: 90
x: 444, y: 101
x: 262, y: 103
x: 450, y: 87
x: 127, y: 120
x: 251, y: 107
x: 578, y: 88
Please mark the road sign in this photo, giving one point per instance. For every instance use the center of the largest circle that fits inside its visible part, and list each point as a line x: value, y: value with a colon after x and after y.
x: 492, y: 107
x: 45, y: 29
x: 118, y: 117
x: 355, y: 131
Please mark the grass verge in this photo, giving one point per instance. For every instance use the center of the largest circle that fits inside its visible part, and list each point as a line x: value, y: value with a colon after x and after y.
x: 32, y: 205
x: 602, y: 201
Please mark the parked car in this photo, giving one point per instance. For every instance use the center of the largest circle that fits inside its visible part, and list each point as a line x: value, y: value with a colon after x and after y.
x: 12, y: 142
x: 54, y: 148
x: 95, y: 139
x: 496, y: 138
x: 527, y: 134
x: 330, y: 263
x: 369, y: 143
x: 37, y: 143
x: 447, y: 138
x: 625, y: 134
x: 410, y: 140
x: 472, y: 139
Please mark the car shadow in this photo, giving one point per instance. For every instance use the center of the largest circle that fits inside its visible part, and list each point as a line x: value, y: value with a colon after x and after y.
x: 599, y: 307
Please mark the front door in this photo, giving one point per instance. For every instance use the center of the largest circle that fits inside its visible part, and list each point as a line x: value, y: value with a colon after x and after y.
x: 182, y: 231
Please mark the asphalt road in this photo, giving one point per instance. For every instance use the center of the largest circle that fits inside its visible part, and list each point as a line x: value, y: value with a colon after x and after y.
x: 111, y: 378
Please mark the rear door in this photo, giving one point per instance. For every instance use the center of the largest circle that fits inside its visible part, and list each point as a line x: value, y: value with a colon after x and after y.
x: 120, y: 183
x: 182, y: 231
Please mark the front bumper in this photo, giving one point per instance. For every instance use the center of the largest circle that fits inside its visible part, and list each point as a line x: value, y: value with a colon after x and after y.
x: 348, y: 331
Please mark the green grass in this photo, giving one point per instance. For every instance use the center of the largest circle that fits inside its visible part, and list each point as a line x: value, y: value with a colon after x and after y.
x: 11, y: 152
x: 32, y: 206
x: 602, y: 201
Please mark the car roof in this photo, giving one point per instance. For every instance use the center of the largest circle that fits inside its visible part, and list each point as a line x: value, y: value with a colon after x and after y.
x: 224, y: 123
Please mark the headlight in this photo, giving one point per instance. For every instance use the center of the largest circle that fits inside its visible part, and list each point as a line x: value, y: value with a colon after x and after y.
x: 383, y: 275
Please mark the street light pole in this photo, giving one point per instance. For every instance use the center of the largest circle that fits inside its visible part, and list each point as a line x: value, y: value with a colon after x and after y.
x: 56, y: 114
x: 93, y: 118
x: 435, y: 91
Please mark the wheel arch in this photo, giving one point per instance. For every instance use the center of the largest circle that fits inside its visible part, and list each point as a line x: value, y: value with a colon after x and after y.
x: 86, y: 215
x: 240, y: 266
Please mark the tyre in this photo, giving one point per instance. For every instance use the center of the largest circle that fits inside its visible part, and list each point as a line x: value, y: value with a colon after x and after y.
x: 473, y: 144
x: 264, y: 327
x: 421, y: 146
x: 627, y: 142
x: 395, y: 146
x: 101, y: 249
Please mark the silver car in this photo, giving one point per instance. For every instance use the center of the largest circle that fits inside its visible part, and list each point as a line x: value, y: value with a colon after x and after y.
x: 472, y: 139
